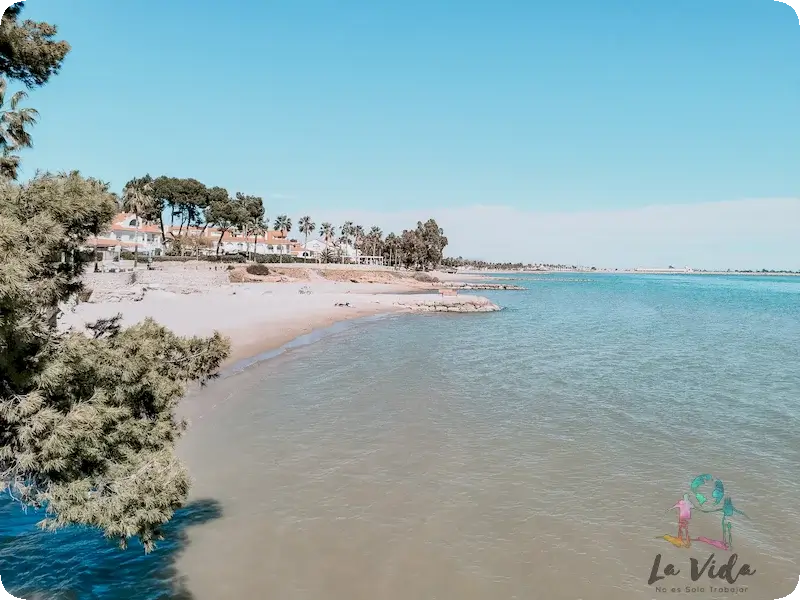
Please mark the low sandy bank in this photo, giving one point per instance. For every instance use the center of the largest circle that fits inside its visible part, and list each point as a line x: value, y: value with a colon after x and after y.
x: 259, y: 317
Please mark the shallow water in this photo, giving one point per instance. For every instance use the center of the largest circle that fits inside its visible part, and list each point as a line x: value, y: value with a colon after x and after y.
x: 531, y: 453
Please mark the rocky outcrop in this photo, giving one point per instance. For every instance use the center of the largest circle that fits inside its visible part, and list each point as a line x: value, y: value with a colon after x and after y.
x: 481, y: 286
x: 450, y: 304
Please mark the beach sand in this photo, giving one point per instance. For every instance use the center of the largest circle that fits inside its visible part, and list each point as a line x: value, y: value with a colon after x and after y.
x: 263, y: 316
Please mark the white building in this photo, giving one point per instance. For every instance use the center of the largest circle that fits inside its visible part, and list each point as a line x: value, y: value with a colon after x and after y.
x: 125, y: 235
x: 274, y: 242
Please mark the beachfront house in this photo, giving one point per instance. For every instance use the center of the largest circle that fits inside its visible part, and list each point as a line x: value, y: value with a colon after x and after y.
x: 274, y: 242
x: 124, y: 234
x: 314, y: 249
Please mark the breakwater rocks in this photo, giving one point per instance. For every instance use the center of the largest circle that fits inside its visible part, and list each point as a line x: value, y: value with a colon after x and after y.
x: 481, y: 286
x: 450, y: 304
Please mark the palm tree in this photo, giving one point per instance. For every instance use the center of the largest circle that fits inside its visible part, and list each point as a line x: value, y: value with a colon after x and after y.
x: 136, y: 199
x: 258, y: 228
x: 327, y: 232
x: 340, y: 243
x: 283, y: 224
x: 391, y: 244
x: 13, y: 130
x: 306, y: 226
x: 376, y: 234
x: 358, y: 238
x: 347, y: 231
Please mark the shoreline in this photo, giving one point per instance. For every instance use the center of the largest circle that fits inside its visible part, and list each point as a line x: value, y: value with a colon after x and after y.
x: 261, y: 317
x: 623, y: 272
x: 316, y: 334
x: 248, y: 345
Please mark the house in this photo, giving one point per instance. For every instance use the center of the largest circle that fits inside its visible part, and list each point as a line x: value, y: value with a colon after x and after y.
x: 344, y: 250
x: 274, y: 242
x: 122, y: 236
x: 126, y: 234
x: 314, y: 249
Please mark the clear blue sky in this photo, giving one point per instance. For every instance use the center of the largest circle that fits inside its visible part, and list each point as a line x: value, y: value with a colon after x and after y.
x: 325, y: 107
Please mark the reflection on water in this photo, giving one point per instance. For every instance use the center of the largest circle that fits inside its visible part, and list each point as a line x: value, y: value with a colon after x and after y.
x: 528, y: 453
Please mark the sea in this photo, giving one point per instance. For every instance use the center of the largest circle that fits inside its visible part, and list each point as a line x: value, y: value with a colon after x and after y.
x: 536, y: 452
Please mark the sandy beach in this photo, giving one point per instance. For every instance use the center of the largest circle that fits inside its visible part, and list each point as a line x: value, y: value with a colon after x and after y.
x: 261, y: 313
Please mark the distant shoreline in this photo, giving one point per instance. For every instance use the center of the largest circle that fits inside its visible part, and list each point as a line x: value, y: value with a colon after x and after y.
x: 630, y: 272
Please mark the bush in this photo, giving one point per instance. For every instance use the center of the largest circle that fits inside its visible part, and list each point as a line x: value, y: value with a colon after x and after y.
x: 259, y: 270
x: 128, y: 255
x: 425, y: 278
x: 276, y: 258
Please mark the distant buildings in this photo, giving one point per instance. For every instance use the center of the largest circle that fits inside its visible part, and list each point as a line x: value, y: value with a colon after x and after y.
x: 125, y: 235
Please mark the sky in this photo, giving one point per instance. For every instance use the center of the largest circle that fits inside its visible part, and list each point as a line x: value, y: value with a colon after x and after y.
x: 613, y: 133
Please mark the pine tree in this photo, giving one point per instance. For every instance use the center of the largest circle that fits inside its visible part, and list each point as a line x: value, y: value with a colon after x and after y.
x: 87, y: 422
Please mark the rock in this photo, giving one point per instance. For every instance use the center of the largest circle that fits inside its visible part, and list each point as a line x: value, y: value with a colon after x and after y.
x: 456, y: 305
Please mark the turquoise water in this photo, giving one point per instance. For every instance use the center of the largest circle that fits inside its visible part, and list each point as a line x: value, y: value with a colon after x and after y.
x: 528, y: 453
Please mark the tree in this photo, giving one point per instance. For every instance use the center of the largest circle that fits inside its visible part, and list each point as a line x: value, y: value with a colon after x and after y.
x: 14, y: 135
x: 307, y: 226
x: 186, y: 199
x: 253, y: 215
x: 28, y: 51
x: 358, y: 239
x: 327, y: 256
x: 375, y: 234
x: 412, y: 249
x: 30, y: 55
x: 137, y: 198
x: 87, y: 423
x: 226, y: 213
x: 390, y: 246
x: 347, y: 231
x: 191, y: 244
x: 283, y: 224
x: 259, y: 228
x: 327, y: 232
x: 432, y: 244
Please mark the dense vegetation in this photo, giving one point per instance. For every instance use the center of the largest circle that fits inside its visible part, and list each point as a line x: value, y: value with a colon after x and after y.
x: 87, y: 422
x: 193, y: 204
x: 498, y: 266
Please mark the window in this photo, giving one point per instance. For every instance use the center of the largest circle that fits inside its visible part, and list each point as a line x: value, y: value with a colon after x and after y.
x: 132, y: 223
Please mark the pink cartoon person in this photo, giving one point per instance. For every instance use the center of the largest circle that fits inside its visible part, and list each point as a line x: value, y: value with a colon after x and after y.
x: 684, y: 508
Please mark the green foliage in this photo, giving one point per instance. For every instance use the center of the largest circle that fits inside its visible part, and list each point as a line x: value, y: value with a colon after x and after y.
x: 283, y: 223
x: 278, y: 258
x: 28, y: 51
x: 306, y: 225
x: 138, y: 198
x: 87, y: 423
x: 259, y: 270
x: 14, y: 135
x: 426, y: 278
x: 327, y: 256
